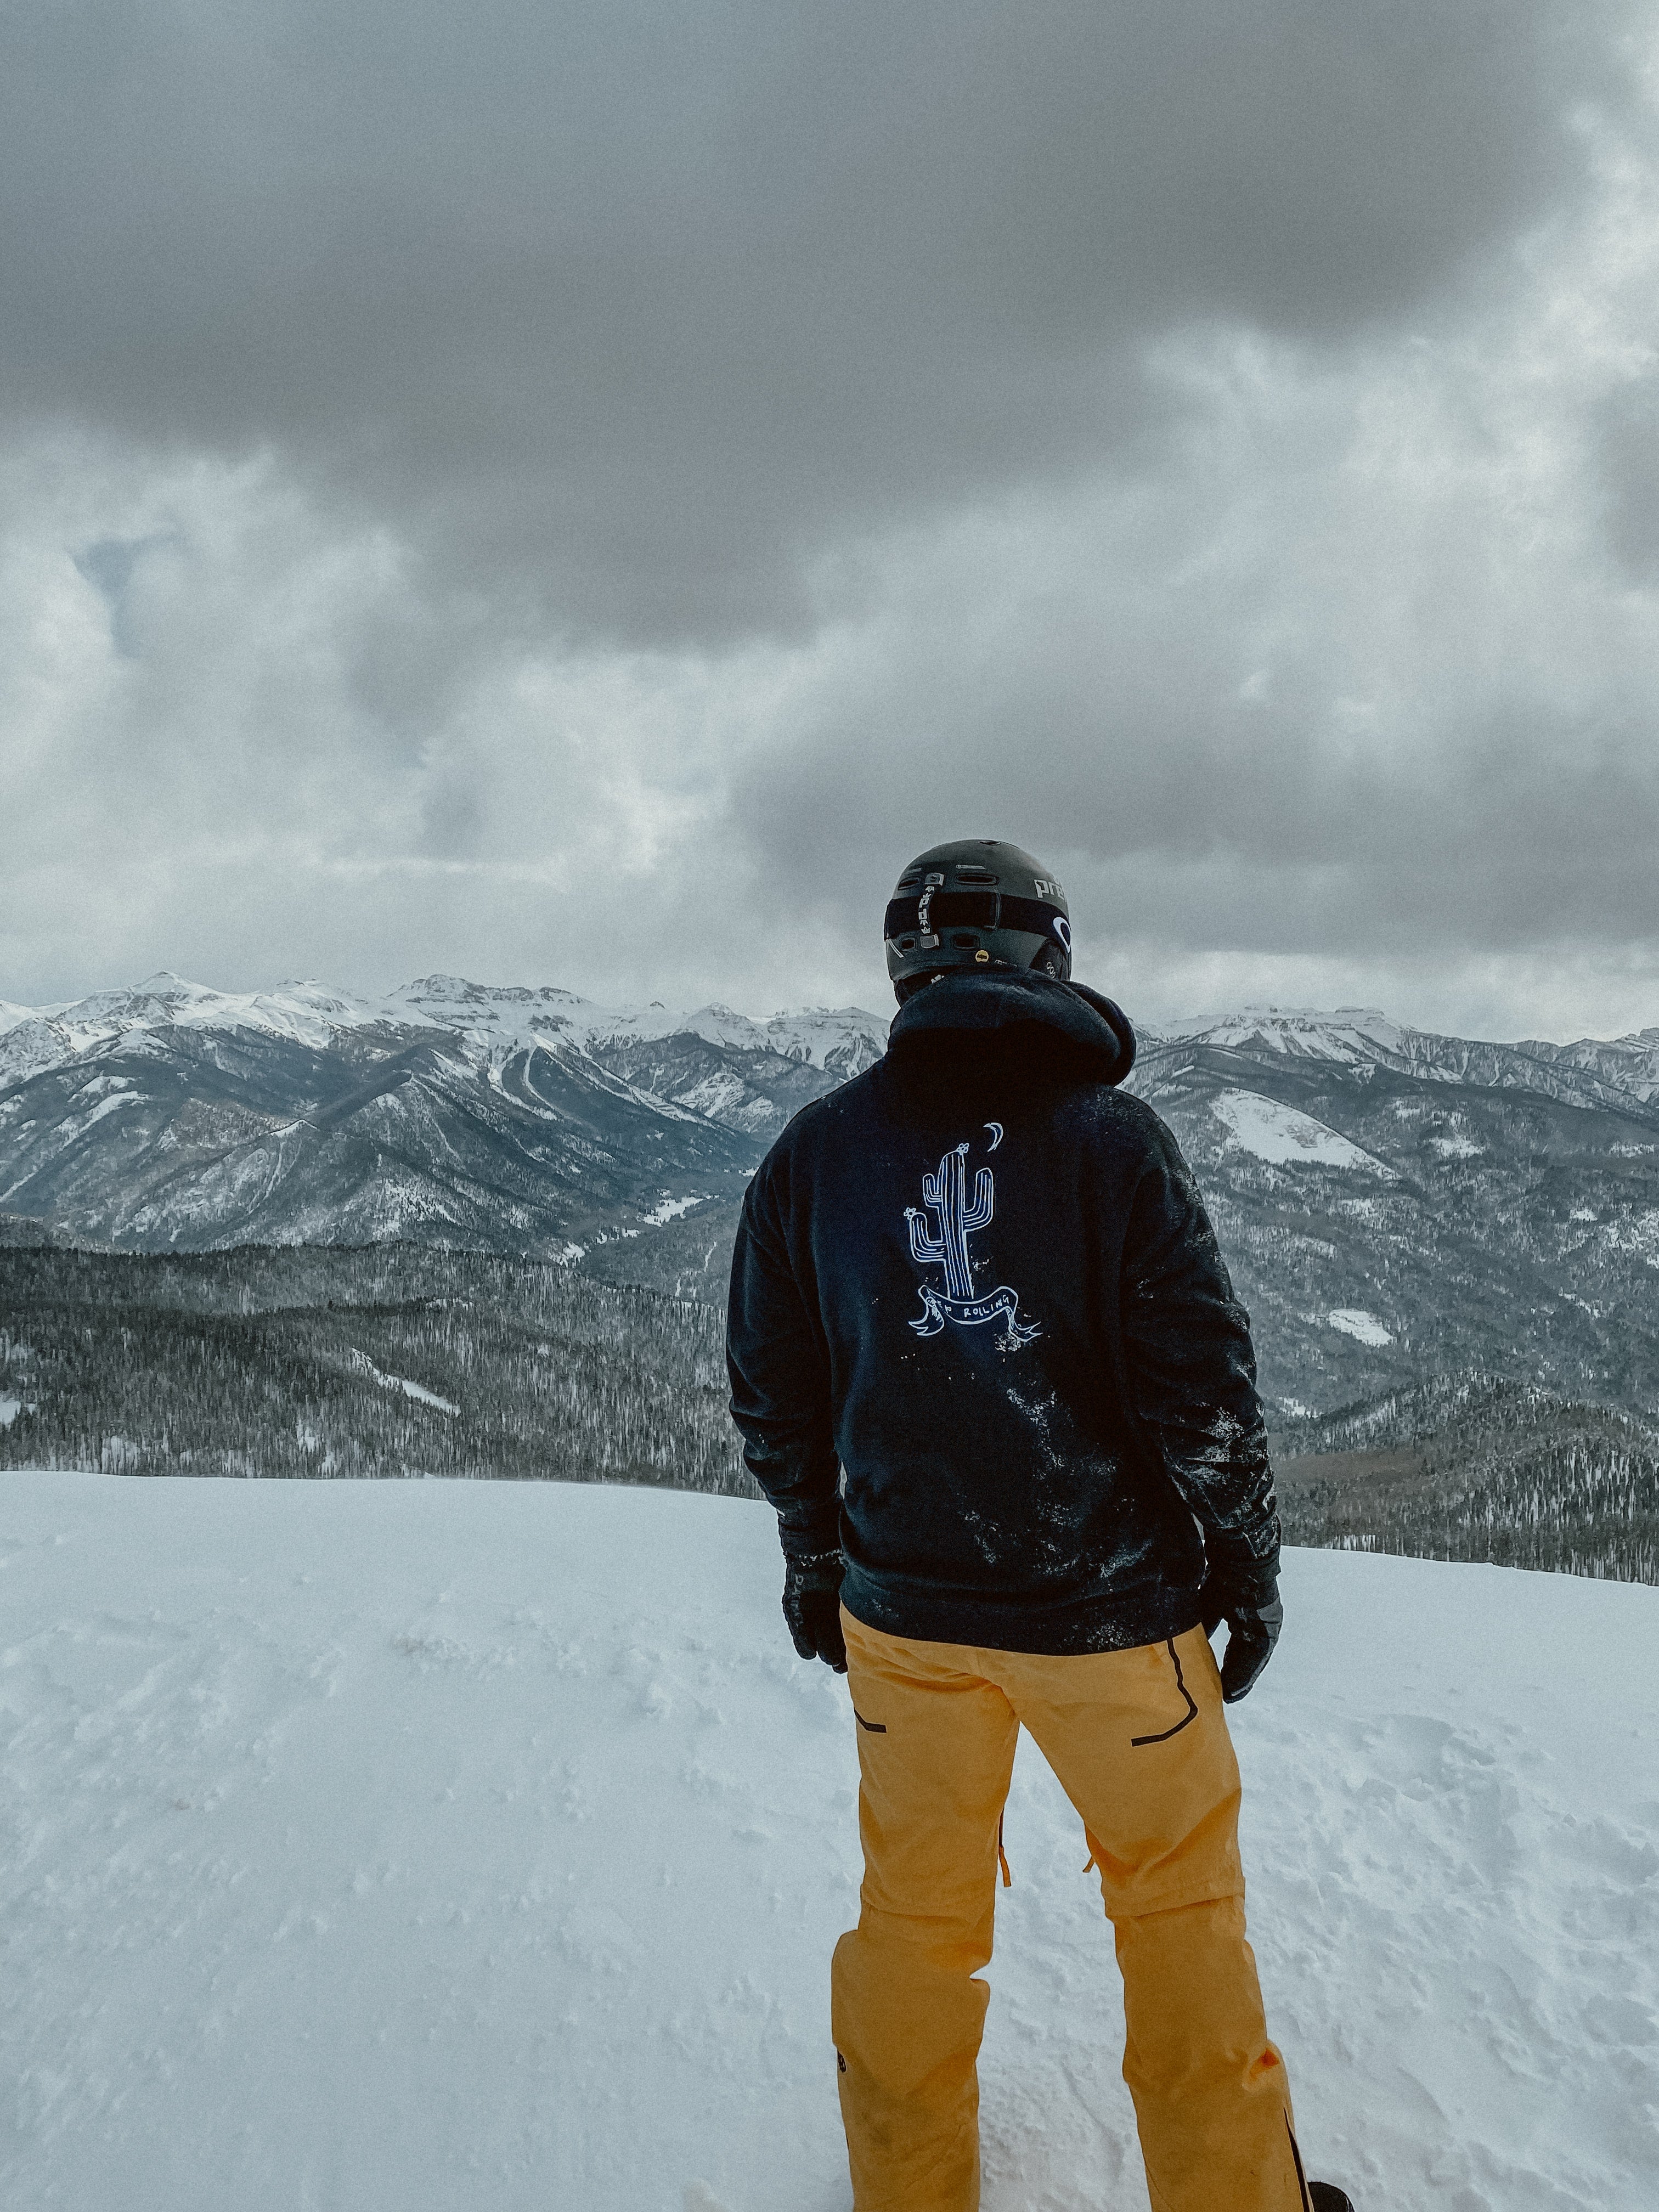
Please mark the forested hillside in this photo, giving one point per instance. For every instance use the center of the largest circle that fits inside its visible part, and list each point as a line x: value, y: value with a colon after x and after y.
x: 1481, y: 1469
x: 398, y: 1360
x: 394, y: 1360
x: 1396, y: 1207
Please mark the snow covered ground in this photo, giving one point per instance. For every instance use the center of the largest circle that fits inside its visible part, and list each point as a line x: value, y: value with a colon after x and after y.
x: 473, y: 1848
x: 1283, y: 1135
x: 1353, y: 1321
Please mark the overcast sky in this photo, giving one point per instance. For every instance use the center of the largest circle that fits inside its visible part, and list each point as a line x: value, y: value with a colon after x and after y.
x: 579, y: 494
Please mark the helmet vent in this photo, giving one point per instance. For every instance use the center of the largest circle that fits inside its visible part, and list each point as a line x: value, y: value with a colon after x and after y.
x: 972, y: 873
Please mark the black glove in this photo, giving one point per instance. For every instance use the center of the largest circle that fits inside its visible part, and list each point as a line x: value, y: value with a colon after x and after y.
x: 1250, y: 1604
x: 811, y: 1606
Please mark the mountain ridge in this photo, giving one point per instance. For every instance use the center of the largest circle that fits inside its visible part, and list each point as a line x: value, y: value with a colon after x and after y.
x: 1394, y: 1204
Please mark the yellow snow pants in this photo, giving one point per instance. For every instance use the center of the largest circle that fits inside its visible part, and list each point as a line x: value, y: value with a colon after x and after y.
x: 1140, y: 1743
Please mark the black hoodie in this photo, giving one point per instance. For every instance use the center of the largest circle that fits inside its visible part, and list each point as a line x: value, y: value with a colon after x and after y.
x: 981, y: 1339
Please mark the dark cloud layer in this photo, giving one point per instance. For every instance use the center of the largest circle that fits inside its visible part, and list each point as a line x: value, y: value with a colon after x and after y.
x: 639, y: 304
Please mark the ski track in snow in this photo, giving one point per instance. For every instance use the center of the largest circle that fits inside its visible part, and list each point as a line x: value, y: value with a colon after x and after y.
x: 409, y: 1848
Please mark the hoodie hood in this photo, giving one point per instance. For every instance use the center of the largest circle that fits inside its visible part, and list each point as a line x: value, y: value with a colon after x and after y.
x: 1010, y: 1000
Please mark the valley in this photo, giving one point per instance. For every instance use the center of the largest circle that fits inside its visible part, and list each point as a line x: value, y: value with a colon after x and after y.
x: 468, y: 1229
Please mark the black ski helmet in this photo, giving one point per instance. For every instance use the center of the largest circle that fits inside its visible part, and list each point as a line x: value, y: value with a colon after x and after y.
x: 977, y: 903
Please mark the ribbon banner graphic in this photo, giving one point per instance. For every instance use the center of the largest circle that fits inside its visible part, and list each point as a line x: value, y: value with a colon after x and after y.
x: 970, y: 1313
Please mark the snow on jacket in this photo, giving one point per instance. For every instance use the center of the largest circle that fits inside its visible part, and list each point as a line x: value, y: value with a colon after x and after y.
x: 980, y: 1337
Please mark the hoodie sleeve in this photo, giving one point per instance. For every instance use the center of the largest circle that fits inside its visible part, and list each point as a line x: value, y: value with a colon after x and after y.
x: 1192, y: 1369
x: 780, y: 1373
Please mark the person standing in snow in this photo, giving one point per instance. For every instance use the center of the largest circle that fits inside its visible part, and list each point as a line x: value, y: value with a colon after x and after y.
x: 989, y: 1369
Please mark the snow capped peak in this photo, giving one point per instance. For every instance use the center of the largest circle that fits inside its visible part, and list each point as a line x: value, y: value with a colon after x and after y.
x: 1347, y: 1033
x: 714, y: 1024
x: 309, y: 1012
x: 1629, y: 1064
x: 458, y: 992
x: 1362, y: 1040
x: 501, y: 1019
x: 515, y: 1017
x: 815, y: 1035
x: 821, y: 1037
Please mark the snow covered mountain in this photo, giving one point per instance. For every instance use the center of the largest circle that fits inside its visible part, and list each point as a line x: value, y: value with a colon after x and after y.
x: 1395, y: 1204
x: 1630, y: 1064
x: 1592, y: 1073
x: 174, y: 1117
x: 406, y: 1846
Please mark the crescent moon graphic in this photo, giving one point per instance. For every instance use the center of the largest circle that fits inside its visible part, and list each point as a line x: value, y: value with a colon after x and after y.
x: 995, y: 1128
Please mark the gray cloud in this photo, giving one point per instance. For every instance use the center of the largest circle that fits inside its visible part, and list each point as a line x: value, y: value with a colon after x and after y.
x: 1625, y: 436
x: 579, y: 493
x: 637, y: 307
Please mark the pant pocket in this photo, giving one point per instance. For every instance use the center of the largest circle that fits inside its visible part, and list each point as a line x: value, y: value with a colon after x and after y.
x: 1181, y: 1695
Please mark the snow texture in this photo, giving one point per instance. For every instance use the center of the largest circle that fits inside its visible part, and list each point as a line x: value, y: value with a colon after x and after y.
x: 671, y: 1209
x: 1355, y: 1321
x: 1282, y: 1134
x: 1457, y: 1146
x: 419, y: 1847
x: 1639, y: 1235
